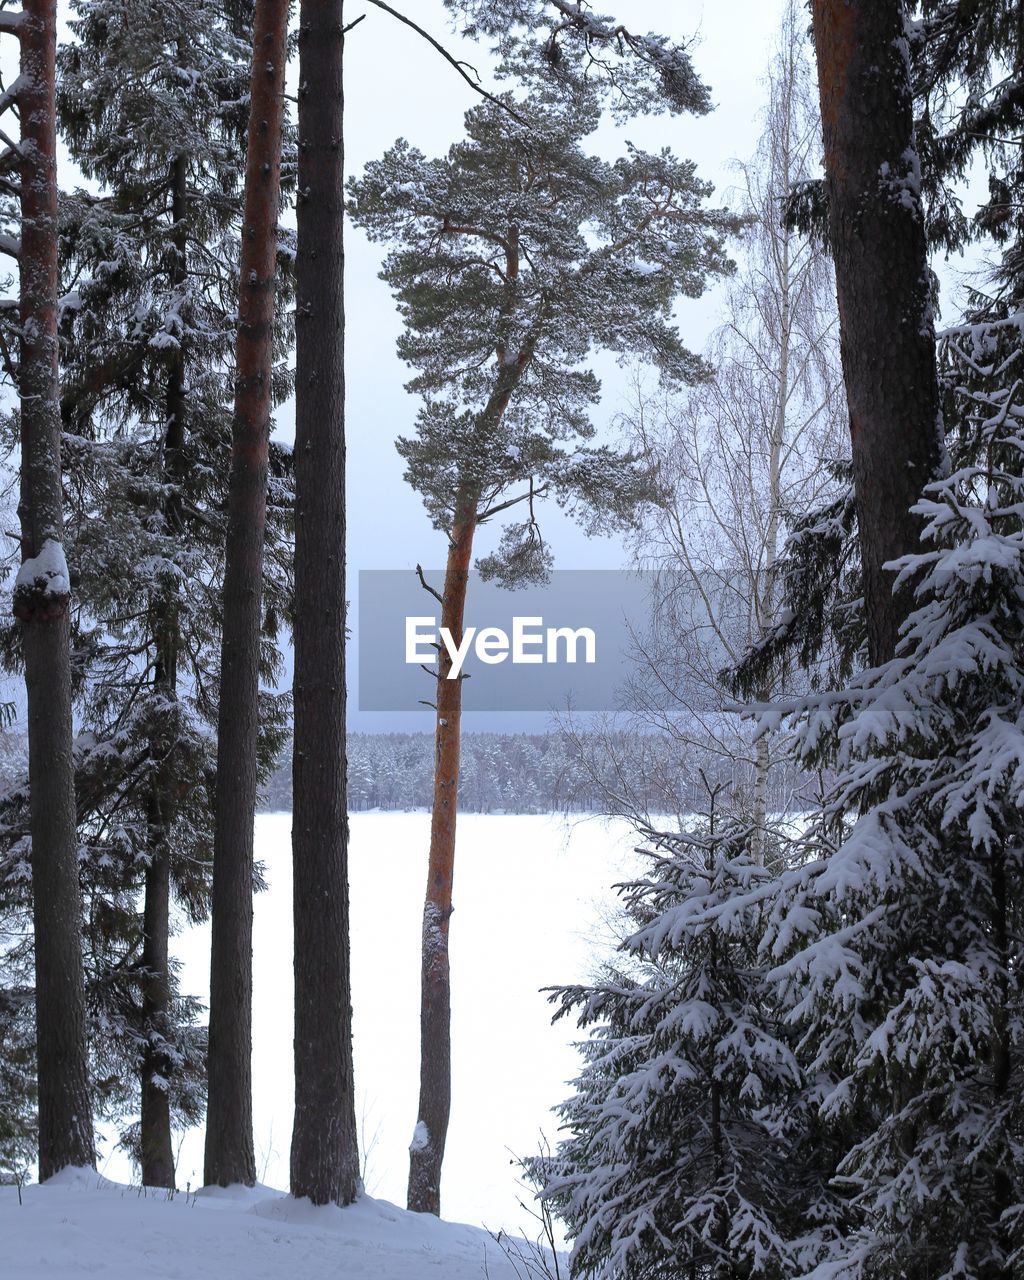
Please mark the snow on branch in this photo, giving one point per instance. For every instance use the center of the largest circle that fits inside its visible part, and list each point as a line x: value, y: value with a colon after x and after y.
x: 42, y: 588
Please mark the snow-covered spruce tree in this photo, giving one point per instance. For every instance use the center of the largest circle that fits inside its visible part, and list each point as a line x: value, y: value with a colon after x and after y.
x: 513, y: 257
x: 18, y: 1102
x: 150, y: 270
x: 899, y: 948
x: 690, y: 1149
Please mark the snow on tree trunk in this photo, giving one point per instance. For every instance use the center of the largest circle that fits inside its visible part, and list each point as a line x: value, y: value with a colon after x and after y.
x: 324, y: 1155
x: 877, y: 235
x: 427, y: 1154
x: 230, y: 1157
x: 65, y: 1115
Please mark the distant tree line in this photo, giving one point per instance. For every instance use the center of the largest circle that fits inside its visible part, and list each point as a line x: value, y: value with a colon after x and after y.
x: 533, y: 773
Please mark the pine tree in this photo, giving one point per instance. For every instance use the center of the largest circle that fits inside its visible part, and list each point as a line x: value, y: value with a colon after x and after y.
x: 503, y: 296
x: 41, y: 605
x: 229, y: 1143
x: 877, y: 238
x: 324, y: 1155
x: 577, y: 49
x: 151, y: 270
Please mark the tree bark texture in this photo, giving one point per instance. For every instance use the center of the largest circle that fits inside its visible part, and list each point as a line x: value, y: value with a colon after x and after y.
x: 877, y: 236
x: 157, y: 1151
x: 65, y: 1113
x: 426, y: 1153
x: 230, y: 1156
x: 324, y: 1153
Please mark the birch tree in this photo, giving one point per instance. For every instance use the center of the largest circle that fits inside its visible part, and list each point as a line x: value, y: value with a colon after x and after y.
x: 740, y: 455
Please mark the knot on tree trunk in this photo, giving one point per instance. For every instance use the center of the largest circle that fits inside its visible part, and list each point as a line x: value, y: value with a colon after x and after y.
x: 39, y: 603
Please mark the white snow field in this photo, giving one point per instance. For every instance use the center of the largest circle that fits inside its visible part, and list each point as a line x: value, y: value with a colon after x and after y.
x: 533, y: 901
x: 80, y: 1224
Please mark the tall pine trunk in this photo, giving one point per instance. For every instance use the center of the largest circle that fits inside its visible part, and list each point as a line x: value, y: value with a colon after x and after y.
x: 426, y: 1152
x: 41, y: 603
x: 324, y: 1154
x: 230, y: 1157
x: 157, y: 1155
x: 887, y: 338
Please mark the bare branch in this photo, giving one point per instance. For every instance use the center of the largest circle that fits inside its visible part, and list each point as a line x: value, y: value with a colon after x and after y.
x: 513, y: 502
x: 427, y: 587
x: 460, y: 67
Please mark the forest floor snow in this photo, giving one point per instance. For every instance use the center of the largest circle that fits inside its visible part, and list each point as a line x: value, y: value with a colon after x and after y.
x: 81, y: 1224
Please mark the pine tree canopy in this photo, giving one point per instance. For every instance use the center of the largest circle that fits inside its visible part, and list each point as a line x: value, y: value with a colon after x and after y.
x: 513, y: 259
x: 569, y: 43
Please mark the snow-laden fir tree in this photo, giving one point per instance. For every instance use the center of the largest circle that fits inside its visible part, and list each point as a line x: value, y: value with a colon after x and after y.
x: 153, y: 102
x: 899, y: 944
x: 690, y: 1149
x: 513, y: 258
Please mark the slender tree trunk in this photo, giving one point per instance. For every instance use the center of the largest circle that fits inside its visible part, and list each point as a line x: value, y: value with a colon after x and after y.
x: 41, y: 603
x: 157, y: 1151
x: 766, y: 604
x: 157, y: 1148
x: 1002, y: 1044
x: 426, y: 1153
x: 324, y: 1153
x: 230, y: 1157
x: 876, y: 229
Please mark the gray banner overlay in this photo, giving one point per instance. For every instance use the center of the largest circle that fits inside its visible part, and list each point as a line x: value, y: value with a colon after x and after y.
x: 604, y: 603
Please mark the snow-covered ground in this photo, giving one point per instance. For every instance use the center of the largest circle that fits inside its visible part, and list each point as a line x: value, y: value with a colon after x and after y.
x: 79, y: 1224
x: 532, y: 898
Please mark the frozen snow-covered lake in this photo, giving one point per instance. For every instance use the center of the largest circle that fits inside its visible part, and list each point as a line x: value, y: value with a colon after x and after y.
x: 532, y: 900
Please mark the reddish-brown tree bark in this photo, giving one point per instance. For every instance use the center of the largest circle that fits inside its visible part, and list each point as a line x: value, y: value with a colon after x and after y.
x: 324, y: 1152
x: 230, y: 1156
x: 876, y: 230
x: 41, y: 602
x: 426, y: 1153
